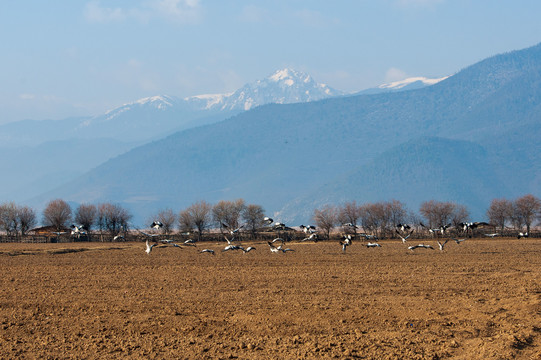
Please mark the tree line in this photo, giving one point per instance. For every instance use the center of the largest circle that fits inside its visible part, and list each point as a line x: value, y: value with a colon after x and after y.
x: 378, y: 218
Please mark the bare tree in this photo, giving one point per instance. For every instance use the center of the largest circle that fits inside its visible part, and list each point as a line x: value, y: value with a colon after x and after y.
x: 113, y: 218
x: 197, y: 217
x: 500, y: 212
x: 395, y: 213
x: 459, y: 215
x: 8, y: 218
x: 437, y: 213
x: 253, y: 216
x: 168, y: 219
x: 27, y: 219
x: 372, y: 216
x: 86, y: 215
x: 185, y: 221
x: 228, y: 213
x: 527, y: 209
x: 326, y: 219
x: 349, y: 213
x: 57, y: 213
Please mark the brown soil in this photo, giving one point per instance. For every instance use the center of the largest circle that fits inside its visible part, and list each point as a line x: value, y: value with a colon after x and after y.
x: 477, y: 300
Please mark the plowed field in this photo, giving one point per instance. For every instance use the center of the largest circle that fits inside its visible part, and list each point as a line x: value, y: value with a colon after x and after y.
x: 480, y: 299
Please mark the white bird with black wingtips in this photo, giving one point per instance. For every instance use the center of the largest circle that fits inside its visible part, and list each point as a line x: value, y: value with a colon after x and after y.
x: 345, y: 242
x: 442, y: 244
x: 404, y: 238
x: 423, y: 246
x: 372, y: 245
x: 149, y: 247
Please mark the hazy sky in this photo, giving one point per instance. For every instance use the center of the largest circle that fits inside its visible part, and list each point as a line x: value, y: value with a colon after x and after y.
x: 66, y: 57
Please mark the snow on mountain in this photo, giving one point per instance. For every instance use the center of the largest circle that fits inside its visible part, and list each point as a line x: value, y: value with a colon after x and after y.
x: 396, y: 85
x: 283, y: 87
x: 159, y: 102
x: 403, y: 85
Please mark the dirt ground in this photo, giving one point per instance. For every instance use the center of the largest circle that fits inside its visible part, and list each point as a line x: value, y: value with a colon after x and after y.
x: 480, y: 299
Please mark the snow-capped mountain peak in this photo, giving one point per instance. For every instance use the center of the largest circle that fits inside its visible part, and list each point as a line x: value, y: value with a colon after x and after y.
x: 159, y: 102
x: 283, y: 86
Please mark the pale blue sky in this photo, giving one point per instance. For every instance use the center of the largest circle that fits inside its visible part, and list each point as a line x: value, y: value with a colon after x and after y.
x: 61, y: 58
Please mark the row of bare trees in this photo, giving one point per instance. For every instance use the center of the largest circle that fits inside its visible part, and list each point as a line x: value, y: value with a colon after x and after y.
x: 517, y: 214
x: 379, y: 218
x: 201, y: 216
x: 105, y: 217
x: 16, y: 220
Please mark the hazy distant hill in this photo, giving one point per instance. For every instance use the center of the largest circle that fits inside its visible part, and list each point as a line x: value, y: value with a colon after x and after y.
x: 52, y: 152
x: 280, y: 155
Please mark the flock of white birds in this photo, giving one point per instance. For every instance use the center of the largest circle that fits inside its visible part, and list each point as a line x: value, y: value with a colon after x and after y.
x: 277, y: 245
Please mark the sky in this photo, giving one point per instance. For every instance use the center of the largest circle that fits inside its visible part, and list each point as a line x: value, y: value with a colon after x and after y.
x: 63, y: 58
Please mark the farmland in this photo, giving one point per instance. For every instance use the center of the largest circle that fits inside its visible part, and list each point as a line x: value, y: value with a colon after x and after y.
x: 480, y: 299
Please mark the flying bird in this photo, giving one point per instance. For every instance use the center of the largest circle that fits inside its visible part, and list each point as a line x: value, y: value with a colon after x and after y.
x: 369, y: 237
x: 156, y: 225
x: 458, y: 241
x: 472, y: 225
x: 310, y: 229
x: 403, y: 227
x: 248, y: 249
x: 267, y: 220
x: 232, y: 231
x: 210, y: 251
x: 279, y: 226
x: 149, y: 247
x: 373, y: 245
x: 420, y: 246
x: 278, y: 249
x: 313, y: 237
x: 492, y: 235
x: 522, y: 235
x: 78, y: 230
x: 442, y: 244
x: 346, y: 242
x: 233, y: 247
x: 404, y: 238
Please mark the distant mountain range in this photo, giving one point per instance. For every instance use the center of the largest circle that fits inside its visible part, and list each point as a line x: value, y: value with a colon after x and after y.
x: 469, y: 138
x: 57, y: 151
